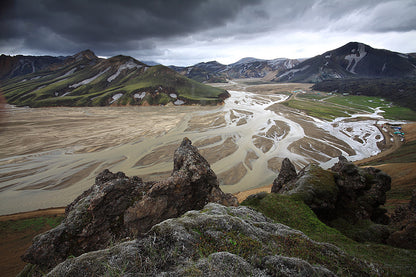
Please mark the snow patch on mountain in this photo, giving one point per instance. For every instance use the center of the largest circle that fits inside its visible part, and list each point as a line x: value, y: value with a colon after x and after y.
x: 128, y: 65
x: 70, y: 72
x: 179, y: 102
x: 116, y: 97
x: 403, y: 55
x: 353, y: 59
x: 89, y: 80
x: 140, y: 95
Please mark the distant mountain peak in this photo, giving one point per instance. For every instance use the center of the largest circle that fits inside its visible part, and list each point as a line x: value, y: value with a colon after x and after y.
x: 354, y: 59
x: 86, y: 54
x: 247, y: 60
x: 209, y: 62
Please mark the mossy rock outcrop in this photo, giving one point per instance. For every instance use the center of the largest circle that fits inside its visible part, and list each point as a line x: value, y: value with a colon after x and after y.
x: 218, y: 241
x: 346, y: 197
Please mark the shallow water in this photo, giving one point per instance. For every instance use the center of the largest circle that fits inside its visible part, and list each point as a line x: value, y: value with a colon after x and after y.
x: 51, y: 155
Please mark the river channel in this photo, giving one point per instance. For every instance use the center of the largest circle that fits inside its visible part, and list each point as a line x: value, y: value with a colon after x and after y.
x: 51, y: 155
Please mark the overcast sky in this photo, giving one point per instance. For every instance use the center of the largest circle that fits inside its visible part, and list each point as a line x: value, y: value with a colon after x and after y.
x: 185, y: 32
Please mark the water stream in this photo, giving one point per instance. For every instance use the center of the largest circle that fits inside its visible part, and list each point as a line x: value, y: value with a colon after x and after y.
x: 244, y: 140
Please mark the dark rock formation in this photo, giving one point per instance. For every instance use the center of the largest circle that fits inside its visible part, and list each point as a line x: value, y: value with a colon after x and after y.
x: 286, y: 175
x: 346, y: 193
x: 315, y: 186
x: 116, y: 207
x: 403, y: 220
x: 191, y: 185
x: 217, y: 241
x: 361, y: 192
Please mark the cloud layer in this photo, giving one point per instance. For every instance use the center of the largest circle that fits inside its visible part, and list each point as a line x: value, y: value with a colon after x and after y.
x: 188, y: 31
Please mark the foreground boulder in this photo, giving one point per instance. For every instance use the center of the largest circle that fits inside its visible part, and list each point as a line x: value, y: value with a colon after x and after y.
x: 343, y: 197
x: 345, y: 191
x: 218, y: 241
x: 117, y: 207
x: 361, y: 191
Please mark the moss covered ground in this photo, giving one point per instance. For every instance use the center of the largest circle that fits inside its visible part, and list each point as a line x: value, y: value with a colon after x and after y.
x: 294, y: 213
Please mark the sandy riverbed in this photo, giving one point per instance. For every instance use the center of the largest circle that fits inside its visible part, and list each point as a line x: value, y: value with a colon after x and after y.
x: 50, y: 155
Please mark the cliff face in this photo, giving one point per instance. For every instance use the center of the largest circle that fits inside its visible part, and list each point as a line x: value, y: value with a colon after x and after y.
x: 117, y: 207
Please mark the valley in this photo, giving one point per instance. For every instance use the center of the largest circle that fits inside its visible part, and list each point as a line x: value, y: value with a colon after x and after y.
x: 53, y: 154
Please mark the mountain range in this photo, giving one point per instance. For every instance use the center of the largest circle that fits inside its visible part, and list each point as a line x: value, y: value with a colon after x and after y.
x: 86, y: 80
x: 214, y: 71
x: 349, y: 61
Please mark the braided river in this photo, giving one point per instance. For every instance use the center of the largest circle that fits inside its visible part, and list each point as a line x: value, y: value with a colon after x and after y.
x: 49, y: 156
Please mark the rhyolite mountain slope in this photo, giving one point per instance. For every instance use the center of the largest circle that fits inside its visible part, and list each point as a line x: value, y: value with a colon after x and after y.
x: 214, y: 71
x: 351, y: 60
x: 86, y: 80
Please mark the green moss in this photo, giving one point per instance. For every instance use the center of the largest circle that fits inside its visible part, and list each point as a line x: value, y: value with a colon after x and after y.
x: 362, y: 230
x: 231, y: 242
x: 294, y: 213
x: 36, y: 224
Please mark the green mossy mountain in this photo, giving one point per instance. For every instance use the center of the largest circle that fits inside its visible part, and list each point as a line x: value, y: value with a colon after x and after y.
x: 86, y: 80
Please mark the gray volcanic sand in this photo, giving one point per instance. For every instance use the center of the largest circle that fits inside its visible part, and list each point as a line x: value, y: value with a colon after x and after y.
x: 48, y: 156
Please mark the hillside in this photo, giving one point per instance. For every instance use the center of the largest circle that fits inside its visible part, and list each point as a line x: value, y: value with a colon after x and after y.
x: 85, y: 80
x: 215, y: 72
x: 351, y: 60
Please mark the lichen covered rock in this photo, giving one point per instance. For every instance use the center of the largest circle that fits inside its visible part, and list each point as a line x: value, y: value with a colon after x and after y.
x: 116, y: 207
x: 314, y: 185
x: 361, y: 191
x: 346, y: 191
x: 217, y: 241
x: 346, y: 197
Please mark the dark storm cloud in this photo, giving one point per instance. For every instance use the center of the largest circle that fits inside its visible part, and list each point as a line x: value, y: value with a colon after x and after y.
x: 112, y: 25
x: 157, y: 27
